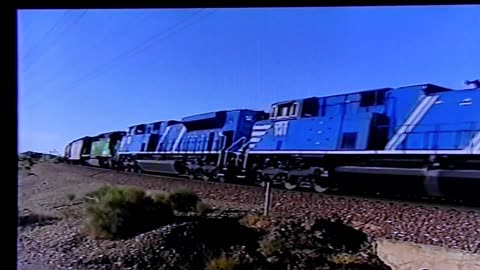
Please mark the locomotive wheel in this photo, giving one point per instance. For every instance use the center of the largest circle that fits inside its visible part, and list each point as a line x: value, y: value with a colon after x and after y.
x: 260, y: 180
x: 129, y: 168
x: 280, y: 178
x: 291, y: 183
x: 137, y: 169
x: 221, y: 179
x: 213, y: 175
x: 201, y: 174
x: 198, y: 172
x: 319, y: 185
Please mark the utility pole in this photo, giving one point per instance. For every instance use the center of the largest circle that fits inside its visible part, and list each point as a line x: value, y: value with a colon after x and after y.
x: 268, y: 193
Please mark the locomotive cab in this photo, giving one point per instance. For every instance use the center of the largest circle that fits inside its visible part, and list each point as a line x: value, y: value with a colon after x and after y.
x: 301, y: 108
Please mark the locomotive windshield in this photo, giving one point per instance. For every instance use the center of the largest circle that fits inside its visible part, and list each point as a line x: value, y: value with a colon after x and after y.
x: 289, y: 109
x: 305, y: 108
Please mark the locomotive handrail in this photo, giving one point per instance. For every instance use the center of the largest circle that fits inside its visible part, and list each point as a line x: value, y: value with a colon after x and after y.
x: 436, y: 124
x: 220, y: 134
x: 245, y: 145
x: 235, y: 143
x: 231, y: 146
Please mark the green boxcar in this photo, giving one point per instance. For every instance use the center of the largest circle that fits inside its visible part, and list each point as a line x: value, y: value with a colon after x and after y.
x: 101, y: 148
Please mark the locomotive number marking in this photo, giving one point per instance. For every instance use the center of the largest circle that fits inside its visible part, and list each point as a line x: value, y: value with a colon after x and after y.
x: 280, y: 129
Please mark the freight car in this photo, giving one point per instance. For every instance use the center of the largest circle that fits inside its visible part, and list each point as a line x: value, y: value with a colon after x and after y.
x: 95, y: 151
x: 422, y: 139
x: 76, y: 152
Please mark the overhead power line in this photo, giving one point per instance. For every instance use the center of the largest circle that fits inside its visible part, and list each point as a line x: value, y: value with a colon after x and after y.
x: 141, y: 47
x: 162, y: 35
x: 45, y: 35
x: 58, y: 38
x: 135, y: 21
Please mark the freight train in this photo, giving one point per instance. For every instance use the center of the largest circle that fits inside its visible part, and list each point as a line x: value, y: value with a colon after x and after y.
x: 419, y: 139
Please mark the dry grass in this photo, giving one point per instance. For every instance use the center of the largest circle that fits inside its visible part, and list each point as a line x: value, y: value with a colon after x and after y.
x: 222, y: 263
x: 345, y: 258
x: 258, y: 221
x: 183, y: 200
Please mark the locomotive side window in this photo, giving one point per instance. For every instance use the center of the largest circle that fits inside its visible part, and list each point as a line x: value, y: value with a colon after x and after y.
x: 372, y: 98
x: 274, y: 112
x: 310, y: 107
x: 156, y: 127
x: 294, y: 109
x: 140, y: 129
x: 367, y: 99
x: 380, y: 97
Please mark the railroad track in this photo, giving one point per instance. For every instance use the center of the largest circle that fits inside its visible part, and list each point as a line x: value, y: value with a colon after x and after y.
x: 417, y: 201
x: 438, y: 224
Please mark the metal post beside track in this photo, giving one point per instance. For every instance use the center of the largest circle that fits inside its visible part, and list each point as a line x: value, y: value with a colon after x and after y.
x: 268, y: 192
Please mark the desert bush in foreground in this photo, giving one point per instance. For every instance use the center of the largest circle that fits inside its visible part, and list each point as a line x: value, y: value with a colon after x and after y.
x: 160, y: 198
x: 345, y: 258
x: 183, y: 200
x: 258, y: 221
x: 203, y: 208
x: 222, y: 263
x: 123, y: 212
x: 272, y: 247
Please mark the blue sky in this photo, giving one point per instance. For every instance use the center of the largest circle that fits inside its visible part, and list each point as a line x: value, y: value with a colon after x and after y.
x: 85, y: 72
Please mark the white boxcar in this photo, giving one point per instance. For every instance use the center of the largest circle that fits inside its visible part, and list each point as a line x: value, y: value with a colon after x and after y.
x: 76, y: 150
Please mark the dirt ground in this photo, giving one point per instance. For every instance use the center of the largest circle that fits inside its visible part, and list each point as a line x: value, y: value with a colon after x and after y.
x: 58, y: 193
x: 54, y: 190
x: 410, y: 256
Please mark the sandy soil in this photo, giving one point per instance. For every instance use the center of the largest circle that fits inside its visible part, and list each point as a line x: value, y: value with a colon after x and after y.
x: 45, y: 191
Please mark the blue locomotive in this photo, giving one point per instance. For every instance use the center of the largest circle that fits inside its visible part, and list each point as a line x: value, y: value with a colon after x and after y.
x: 421, y: 138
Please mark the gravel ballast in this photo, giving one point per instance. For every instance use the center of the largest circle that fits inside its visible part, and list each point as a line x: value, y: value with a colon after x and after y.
x: 46, y: 193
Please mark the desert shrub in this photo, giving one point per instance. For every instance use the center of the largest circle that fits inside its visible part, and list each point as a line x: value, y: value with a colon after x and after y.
x: 222, y: 263
x: 160, y: 198
x: 345, y: 258
x: 25, y: 164
x: 203, y: 208
x: 272, y: 246
x: 258, y: 221
x: 183, y: 200
x: 123, y: 212
x: 97, y: 194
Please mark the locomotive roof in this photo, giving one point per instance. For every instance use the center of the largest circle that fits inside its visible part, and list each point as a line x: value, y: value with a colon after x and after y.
x: 212, y: 113
x: 427, y: 87
x: 108, y: 133
x: 169, y: 122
